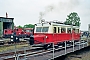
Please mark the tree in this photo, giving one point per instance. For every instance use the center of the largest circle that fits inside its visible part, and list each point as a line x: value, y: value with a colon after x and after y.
x: 19, y: 26
x: 29, y: 26
x: 73, y: 18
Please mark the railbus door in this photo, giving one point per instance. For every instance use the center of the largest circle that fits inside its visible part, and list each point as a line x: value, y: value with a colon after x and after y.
x: 54, y: 34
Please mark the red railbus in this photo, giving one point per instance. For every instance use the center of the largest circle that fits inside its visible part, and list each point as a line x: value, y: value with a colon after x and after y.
x: 55, y: 32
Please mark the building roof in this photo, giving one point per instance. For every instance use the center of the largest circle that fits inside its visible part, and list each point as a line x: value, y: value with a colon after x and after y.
x: 6, y: 18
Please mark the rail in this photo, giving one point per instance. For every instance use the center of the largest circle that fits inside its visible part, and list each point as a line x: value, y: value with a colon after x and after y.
x: 50, y: 53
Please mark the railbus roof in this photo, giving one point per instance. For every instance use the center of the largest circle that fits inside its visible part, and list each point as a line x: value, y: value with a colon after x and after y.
x: 56, y: 24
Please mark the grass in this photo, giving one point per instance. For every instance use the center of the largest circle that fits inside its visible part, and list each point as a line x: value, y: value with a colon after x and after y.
x: 7, y: 48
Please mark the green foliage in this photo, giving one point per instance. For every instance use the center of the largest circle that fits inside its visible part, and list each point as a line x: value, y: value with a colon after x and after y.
x: 29, y: 26
x: 26, y: 26
x: 73, y: 18
x: 19, y: 26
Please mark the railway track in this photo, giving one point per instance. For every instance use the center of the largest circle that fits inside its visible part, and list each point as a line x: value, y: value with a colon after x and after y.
x: 26, y: 53
x: 21, y: 54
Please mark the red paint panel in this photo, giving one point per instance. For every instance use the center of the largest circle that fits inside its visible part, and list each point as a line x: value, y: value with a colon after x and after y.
x: 55, y: 37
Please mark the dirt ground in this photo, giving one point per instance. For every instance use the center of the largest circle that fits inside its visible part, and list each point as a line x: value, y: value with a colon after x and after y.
x: 83, y: 54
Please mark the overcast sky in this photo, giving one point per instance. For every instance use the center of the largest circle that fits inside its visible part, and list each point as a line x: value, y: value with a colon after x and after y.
x: 28, y: 11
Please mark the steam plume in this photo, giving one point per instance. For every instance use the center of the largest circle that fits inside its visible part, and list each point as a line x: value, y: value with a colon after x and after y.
x: 61, y: 7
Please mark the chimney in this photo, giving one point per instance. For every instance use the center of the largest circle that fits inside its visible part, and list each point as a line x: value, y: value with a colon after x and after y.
x: 6, y: 15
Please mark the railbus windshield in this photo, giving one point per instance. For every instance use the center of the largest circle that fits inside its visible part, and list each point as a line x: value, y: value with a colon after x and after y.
x: 42, y: 29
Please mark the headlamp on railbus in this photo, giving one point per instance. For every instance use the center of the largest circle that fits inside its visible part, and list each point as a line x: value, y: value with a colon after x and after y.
x: 46, y: 36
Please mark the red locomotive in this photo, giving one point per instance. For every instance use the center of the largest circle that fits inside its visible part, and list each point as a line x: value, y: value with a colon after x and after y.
x: 7, y: 32
x: 19, y: 32
x: 28, y: 31
x: 55, y: 32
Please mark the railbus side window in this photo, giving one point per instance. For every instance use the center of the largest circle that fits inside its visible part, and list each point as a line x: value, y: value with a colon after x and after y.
x: 54, y: 30
x: 73, y: 30
x: 63, y: 30
x: 68, y: 30
x: 58, y: 30
x: 76, y: 30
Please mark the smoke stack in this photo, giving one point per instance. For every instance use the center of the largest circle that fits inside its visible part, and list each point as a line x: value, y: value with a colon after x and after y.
x: 6, y: 15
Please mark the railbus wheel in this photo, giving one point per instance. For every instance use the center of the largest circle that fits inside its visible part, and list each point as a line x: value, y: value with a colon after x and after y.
x: 47, y: 46
x: 61, y: 44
